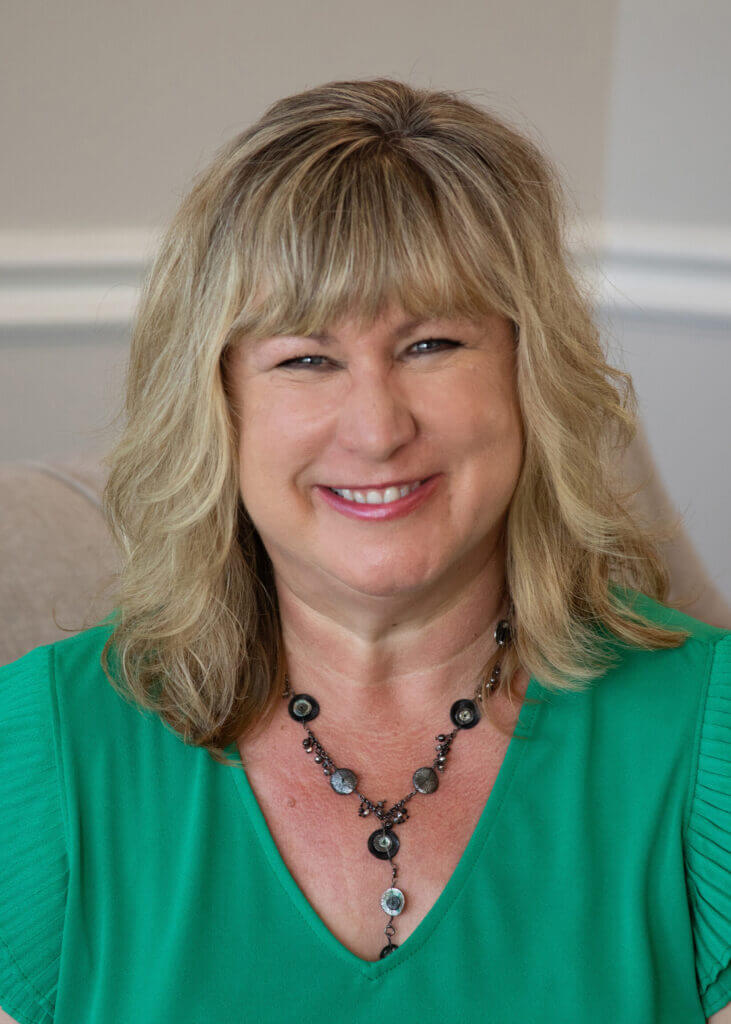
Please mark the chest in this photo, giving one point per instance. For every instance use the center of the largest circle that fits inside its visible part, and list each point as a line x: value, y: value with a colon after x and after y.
x: 324, y: 841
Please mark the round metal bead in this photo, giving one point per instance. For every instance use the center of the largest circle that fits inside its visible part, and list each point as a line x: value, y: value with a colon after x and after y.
x: 343, y: 780
x: 383, y: 845
x: 303, y: 708
x: 393, y: 901
x: 425, y: 780
x: 464, y: 714
x: 386, y: 950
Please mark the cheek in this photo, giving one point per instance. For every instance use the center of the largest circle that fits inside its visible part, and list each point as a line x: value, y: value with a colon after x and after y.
x: 479, y: 417
x: 259, y: 449
x: 482, y: 433
x: 277, y: 441
x: 275, y: 412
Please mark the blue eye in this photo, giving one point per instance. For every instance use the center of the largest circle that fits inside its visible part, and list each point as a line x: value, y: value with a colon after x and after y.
x: 300, y: 361
x: 436, y: 341
x: 315, y: 362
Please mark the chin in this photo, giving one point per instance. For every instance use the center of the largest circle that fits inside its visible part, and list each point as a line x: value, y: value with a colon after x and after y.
x: 383, y: 582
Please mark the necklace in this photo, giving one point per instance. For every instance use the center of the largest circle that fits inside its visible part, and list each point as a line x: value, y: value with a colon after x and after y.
x: 384, y: 843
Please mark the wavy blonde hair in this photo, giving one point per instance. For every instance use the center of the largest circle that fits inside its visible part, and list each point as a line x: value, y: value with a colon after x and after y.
x: 338, y: 201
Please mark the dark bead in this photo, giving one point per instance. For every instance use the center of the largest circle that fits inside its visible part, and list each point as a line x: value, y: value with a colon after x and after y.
x: 383, y: 845
x: 303, y: 708
x: 502, y: 633
x: 441, y: 737
x: 387, y: 949
x: 464, y: 714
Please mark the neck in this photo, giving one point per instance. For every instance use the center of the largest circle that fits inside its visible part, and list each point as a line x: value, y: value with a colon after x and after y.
x: 389, y: 673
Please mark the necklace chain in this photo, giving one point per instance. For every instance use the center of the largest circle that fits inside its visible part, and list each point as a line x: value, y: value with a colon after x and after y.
x: 383, y: 842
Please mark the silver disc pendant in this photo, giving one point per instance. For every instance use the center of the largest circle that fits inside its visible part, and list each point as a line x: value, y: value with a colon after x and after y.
x: 393, y: 901
x: 425, y: 780
x: 343, y: 780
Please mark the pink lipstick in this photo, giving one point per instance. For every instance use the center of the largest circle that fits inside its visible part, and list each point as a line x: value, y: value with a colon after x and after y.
x: 388, y: 510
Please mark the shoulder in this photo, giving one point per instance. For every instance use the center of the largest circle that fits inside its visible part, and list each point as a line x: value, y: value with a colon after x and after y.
x: 672, y: 707
x: 664, y: 615
x: 90, y: 712
x: 691, y: 685
x: 43, y: 668
x: 61, y: 727
x: 677, y: 676
x: 664, y: 685
x: 44, y: 691
x: 648, y: 703
x: 34, y: 851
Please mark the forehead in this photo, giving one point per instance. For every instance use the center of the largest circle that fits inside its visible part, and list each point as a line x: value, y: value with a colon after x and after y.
x: 394, y: 326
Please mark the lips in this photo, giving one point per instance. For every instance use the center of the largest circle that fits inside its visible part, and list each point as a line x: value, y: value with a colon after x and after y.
x: 379, y: 512
x: 377, y: 487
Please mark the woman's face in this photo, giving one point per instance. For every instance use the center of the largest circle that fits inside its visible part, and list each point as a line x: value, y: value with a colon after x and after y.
x: 374, y: 408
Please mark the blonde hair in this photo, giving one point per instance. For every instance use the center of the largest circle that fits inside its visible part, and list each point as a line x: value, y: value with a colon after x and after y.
x: 336, y: 202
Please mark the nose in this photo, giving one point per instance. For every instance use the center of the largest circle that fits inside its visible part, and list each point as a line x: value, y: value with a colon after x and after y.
x: 375, y: 419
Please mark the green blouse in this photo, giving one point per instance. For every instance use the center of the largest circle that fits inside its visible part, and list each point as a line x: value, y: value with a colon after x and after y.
x: 139, y: 881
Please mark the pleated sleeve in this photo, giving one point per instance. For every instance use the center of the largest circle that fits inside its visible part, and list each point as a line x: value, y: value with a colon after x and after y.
x: 708, y: 835
x: 33, y: 861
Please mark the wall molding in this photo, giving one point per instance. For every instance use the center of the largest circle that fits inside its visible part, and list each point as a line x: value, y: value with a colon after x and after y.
x: 90, y: 278
x: 659, y: 271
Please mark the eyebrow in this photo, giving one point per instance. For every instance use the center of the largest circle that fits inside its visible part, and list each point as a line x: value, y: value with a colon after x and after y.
x: 406, y: 328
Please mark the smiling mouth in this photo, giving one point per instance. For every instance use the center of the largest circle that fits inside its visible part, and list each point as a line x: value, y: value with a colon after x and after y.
x: 374, y: 496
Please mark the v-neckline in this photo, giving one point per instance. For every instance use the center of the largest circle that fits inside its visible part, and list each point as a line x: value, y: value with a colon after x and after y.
x: 375, y: 968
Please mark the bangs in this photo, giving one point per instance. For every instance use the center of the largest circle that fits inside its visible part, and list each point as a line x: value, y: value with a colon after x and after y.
x: 358, y: 228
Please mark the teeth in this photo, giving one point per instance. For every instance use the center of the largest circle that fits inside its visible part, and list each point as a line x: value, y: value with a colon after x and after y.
x: 377, y: 497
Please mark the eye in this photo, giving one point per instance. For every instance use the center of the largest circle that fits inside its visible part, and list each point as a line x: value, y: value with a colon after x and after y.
x: 436, y: 341
x: 304, y: 361
x: 316, y: 362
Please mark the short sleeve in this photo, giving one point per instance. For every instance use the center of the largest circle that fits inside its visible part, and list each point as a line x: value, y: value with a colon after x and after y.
x: 33, y: 859
x: 708, y: 838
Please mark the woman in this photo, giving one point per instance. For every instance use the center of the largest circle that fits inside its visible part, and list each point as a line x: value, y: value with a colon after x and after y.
x: 375, y: 555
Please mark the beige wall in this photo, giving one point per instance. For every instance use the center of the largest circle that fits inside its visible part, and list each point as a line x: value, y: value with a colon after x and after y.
x: 108, y: 108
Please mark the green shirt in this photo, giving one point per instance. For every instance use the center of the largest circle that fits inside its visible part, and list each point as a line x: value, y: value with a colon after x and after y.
x: 139, y: 881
